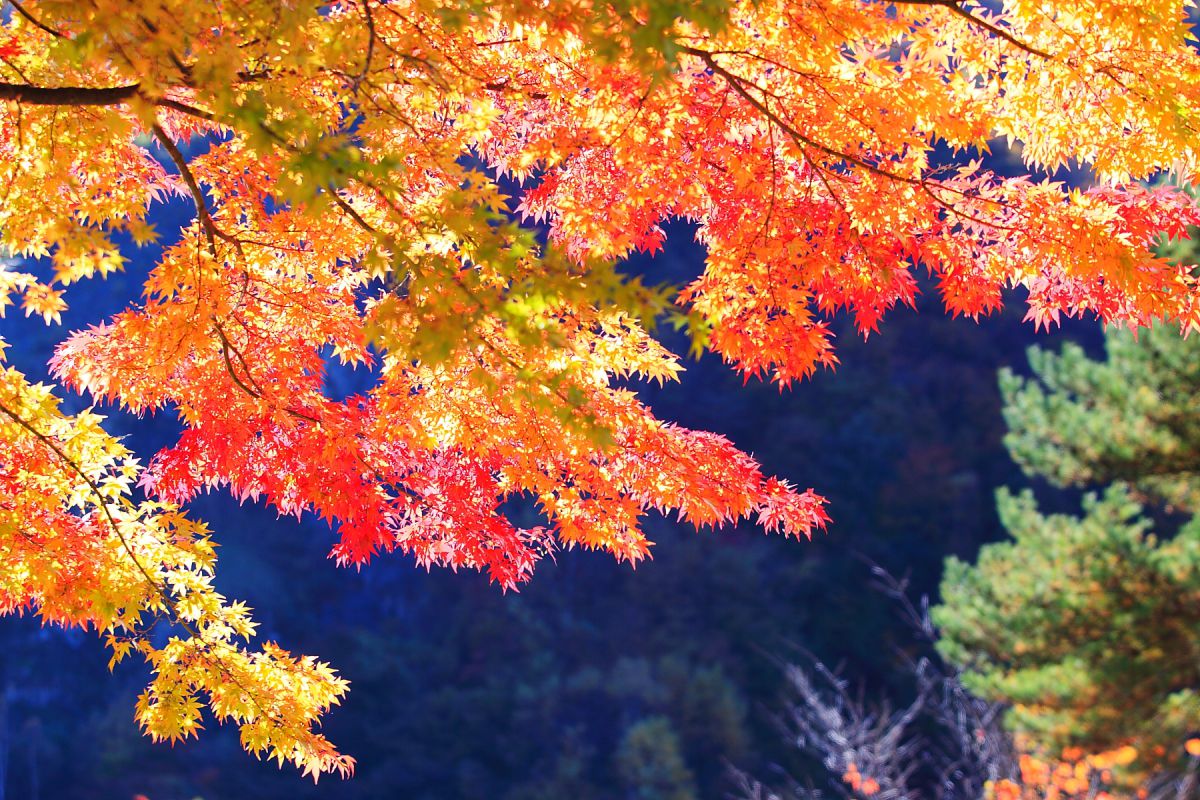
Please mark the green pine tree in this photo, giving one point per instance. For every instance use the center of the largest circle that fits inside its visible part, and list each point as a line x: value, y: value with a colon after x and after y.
x: 1089, y: 627
x: 1134, y: 417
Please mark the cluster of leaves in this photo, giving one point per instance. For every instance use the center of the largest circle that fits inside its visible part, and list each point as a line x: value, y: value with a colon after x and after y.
x: 332, y: 153
x: 1076, y: 775
x: 79, y: 550
x: 460, y: 692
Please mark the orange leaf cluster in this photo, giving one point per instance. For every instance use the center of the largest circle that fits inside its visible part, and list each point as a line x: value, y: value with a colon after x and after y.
x: 1074, y: 776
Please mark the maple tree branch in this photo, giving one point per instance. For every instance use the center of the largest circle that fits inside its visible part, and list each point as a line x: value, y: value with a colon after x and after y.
x: 172, y: 609
x: 955, y: 7
x: 927, y: 188
x: 185, y: 108
x: 498, y: 42
x: 350, y: 212
x: 226, y: 347
x: 255, y: 392
x: 69, y: 95
x: 504, y: 86
x: 184, y: 70
x: 185, y: 172
x: 737, y: 83
x: 32, y: 20
x: 372, y: 36
x: 159, y: 589
x: 93, y: 96
x: 49, y: 442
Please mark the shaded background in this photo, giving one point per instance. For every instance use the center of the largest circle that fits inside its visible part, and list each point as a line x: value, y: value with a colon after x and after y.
x: 596, y: 680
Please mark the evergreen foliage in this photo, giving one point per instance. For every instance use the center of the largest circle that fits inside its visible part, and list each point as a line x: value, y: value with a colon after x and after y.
x: 1090, y: 626
x: 1132, y: 417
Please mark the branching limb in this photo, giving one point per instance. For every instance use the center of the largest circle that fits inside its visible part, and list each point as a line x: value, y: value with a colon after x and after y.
x: 956, y: 7
x: 34, y: 21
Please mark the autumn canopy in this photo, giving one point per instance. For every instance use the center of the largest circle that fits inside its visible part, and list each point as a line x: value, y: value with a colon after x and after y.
x: 372, y: 182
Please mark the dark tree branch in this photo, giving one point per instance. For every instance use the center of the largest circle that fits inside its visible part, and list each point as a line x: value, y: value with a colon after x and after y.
x: 955, y: 7
x: 206, y: 221
x: 69, y: 95
x: 93, y: 96
x: 32, y: 20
